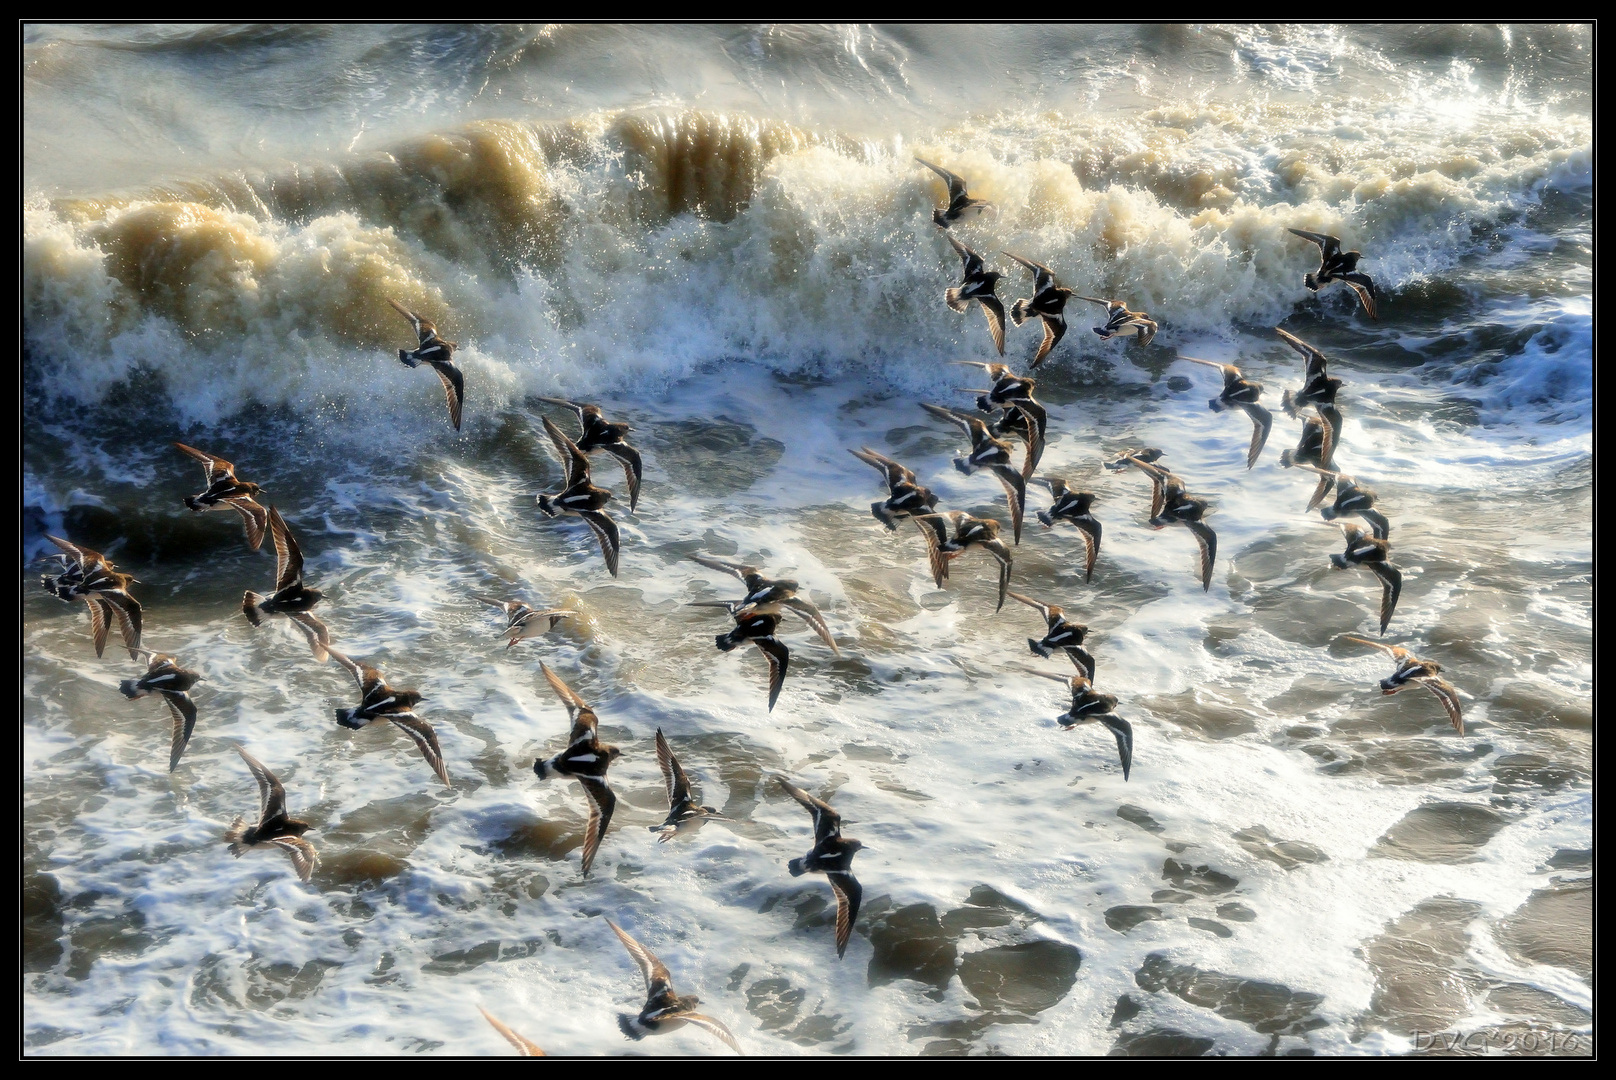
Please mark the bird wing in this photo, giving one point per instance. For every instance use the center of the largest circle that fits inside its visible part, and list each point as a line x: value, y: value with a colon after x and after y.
x: 271, y: 795
x: 971, y: 260
x: 1124, y: 733
x: 997, y: 549
x: 672, y: 774
x: 1042, y: 276
x: 304, y: 857
x: 601, y: 804
x: 810, y: 615
x: 573, y: 405
x: 1396, y: 652
x: 1096, y: 300
x: 454, y: 387
x: 98, y: 622
x: 657, y: 979
x: 713, y: 1027
x: 573, y: 460
x: 1365, y: 297
x: 993, y: 309
x: 1054, y: 330
x: 1449, y: 697
x: 127, y: 609
x: 426, y: 740
x: 1391, y: 586
x: 254, y: 516
x: 633, y: 469
x: 83, y: 556
x: 184, y: 711
x: 1046, y: 610
x: 1262, y: 423
x: 895, y: 474
x: 848, y: 895
x: 956, y: 186
x: 739, y: 571
x: 316, y: 631
x: 1308, y: 352
x: 524, y: 1047
x: 779, y: 657
x: 827, y: 822
x: 1208, y: 540
x: 934, y: 527
x: 1090, y: 532
x: 580, y: 714
x: 288, y: 557
x: 967, y: 424
x: 606, y: 535
x: 1015, y: 492
x: 212, y: 467
x: 424, y: 330
x: 1038, y: 424
x: 1328, y: 245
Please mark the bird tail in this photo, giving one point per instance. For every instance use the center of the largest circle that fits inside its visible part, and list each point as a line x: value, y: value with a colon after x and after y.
x: 238, y: 829
x: 1103, y: 332
x: 938, y: 219
x: 1340, y: 561
x: 541, y: 769
x: 191, y: 503
x: 130, y: 689
x: 1041, y: 649
x: 407, y: 360
x: 884, y: 516
x: 345, y: 717
x: 249, y: 608
x: 1216, y: 405
x: 547, y: 504
x: 1311, y: 281
x: 1018, y: 312
x: 630, y: 1027
x: 1328, y: 512
x: 1047, y: 518
x: 952, y: 296
x: 796, y: 868
x: 726, y: 642
x: 1287, y: 458
x: 1287, y: 401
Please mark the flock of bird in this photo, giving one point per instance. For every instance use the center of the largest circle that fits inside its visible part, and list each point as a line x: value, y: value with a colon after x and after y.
x: 1006, y: 413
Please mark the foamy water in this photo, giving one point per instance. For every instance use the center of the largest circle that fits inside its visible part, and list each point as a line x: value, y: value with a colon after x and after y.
x: 727, y: 244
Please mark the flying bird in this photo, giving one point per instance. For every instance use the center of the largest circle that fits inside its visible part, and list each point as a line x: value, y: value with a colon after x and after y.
x: 979, y: 284
x: 1241, y: 393
x: 290, y: 598
x: 1059, y: 634
x: 969, y: 532
x: 664, y: 1010
x: 832, y: 856
x: 378, y: 702
x: 1088, y: 705
x: 1120, y: 322
x: 274, y: 829
x: 597, y: 433
x: 225, y: 492
x: 165, y: 676
x: 579, y: 496
x: 994, y: 455
x: 961, y: 207
x: 1073, y: 506
x: 437, y: 352
x: 1338, y: 265
x: 1411, y: 671
x: 1371, y: 554
x: 523, y: 622
x: 1048, y: 302
x: 685, y: 814
x: 586, y: 760
x: 759, y: 628
x: 769, y: 595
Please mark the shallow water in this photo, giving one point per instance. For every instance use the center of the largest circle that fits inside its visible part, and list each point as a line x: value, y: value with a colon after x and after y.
x: 719, y: 234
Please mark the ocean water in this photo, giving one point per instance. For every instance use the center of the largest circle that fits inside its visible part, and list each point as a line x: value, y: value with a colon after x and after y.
x: 720, y: 235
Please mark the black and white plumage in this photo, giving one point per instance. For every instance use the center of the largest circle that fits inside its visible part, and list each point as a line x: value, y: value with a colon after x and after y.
x: 969, y: 532
x: 225, y: 492
x: 685, y: 814
x: 1371, y: 554
x: 1089, y: 705
x: 1146, y: 461
x: 1120, y: 322
x: 1073, y: 506
x: 165, y: 676
x: 1338, y: 265
x: 585, y: 760
x: 290, y: 597
x: 1059, y: 633
x: 437, y: 352
x: 1315, y: 447
x: 1013, y: 393
x: 1048, y: 302
x: 831, y: 855
x: 1241, y: 393
x: 581, y: 497
x: 1412, y: 671
x: 1181, y: 508
x: 523, y: 622
x: 994, y: 455
x: 89, y: 576
x: 595, y: 432
x: 979, y: 284
x: 905, y: 496
x: 379, y: 702
x: 1318, y: 388
x: 1352, y: 498
x: 961, y: 207
x: 664, y: 1010
x: 769, y: 595
x: 758, y: 627
x: 525, y: 1047
x: 274, y: 828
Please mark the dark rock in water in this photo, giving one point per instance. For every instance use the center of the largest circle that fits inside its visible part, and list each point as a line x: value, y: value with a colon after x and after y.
x: 1517, y: 999
x: 1236, y: 912
x: 713, y: 457
x: 1216, y: 929
x: 1125, y: 917
x: 911, y: 943
x: 1161, y: 1042
x: 1026, y: 978
x: 1198, y: 879
x: 1418, y: 961
x: 1554, y: 926
x: 1270, y: 1008
x: 1140, y: 817
x: 1289, y: 854
x: 1529, y: 772
x: 986, y: 907
x: 1572, y: 859
x: 1127, y: 1008
x: 41, y: 922
x: 1440, y: 833
x: 1171, y: 896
